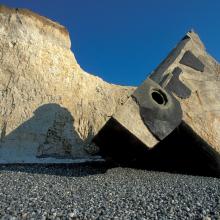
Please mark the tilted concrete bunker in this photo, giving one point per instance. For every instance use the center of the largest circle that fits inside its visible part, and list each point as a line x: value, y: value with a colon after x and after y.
x: 176, y: 111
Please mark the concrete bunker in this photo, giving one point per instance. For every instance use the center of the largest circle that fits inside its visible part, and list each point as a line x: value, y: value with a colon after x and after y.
x: 168, y: 122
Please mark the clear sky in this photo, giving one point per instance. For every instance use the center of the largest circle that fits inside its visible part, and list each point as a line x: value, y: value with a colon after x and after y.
x: 122, y: 41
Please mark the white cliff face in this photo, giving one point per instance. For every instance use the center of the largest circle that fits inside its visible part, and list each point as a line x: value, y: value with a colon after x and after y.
x: 49, y: 106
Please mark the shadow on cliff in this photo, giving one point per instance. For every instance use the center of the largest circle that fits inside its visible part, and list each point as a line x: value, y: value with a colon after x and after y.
x: 48, y: 134
x: 52, y: 125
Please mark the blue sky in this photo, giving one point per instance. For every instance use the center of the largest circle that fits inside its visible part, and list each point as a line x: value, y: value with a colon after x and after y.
x: 122, y: 41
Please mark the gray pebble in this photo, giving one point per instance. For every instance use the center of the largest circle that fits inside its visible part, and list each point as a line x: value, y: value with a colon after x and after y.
x: 99, y: 192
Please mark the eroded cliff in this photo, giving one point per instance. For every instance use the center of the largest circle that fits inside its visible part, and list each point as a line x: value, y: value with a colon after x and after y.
x: 49, y: 106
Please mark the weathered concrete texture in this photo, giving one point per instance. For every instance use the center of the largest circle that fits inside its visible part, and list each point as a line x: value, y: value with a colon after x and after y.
x: 193, y: 77
x: 49, y: 106
x: 146, y: 118
x: 157, y: 132
x: 160, y: 111
x: 190, y: 60
x: 150, y: 114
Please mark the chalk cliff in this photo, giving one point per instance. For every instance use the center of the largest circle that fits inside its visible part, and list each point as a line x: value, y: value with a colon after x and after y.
x: 49, y: 106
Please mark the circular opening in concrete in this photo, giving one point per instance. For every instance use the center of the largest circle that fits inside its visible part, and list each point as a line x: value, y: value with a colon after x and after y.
x: 159, y: 97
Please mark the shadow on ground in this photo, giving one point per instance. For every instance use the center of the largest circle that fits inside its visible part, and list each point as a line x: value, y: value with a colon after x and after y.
x: 68, y: 170
x: 180, y: 152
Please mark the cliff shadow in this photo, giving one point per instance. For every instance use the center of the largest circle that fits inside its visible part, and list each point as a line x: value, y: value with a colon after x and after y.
x: 47, y: 137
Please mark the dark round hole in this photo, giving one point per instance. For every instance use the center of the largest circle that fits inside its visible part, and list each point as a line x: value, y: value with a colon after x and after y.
x: 159, y: 97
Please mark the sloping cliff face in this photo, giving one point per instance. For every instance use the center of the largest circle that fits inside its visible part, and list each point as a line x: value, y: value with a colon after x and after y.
x: 49, y: 106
